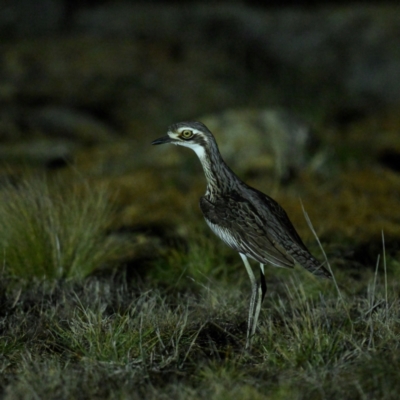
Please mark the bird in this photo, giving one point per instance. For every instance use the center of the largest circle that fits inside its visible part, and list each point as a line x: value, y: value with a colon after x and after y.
x: 247, y: 220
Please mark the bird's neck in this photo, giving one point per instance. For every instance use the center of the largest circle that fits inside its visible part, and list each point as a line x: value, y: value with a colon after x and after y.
x: 220, y: 178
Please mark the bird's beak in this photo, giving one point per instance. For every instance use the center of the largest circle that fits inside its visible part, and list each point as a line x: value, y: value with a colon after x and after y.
x: 162, y: 140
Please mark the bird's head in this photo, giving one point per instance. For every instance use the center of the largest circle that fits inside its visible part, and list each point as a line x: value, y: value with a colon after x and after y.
x: 194, y: 135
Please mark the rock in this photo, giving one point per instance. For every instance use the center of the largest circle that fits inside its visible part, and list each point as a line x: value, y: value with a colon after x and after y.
x: 45, y: 152
x: 254, y: 139
x: 73, y: 124
x: 18, y: 123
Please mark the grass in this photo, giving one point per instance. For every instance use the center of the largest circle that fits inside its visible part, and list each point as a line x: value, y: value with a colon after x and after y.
x: 177, y: 327
x: 111, y: 337
x: 196, y: 259
x: 52, y: 231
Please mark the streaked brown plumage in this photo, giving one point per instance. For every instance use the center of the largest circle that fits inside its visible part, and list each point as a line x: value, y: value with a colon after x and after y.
x: 247, y: 220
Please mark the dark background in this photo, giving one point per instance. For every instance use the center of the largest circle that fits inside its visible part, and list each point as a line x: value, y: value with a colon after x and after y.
x: 79, y: 73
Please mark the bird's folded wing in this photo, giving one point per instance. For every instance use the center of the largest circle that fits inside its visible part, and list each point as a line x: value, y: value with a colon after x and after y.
x: 249, y: 232
x: 277, y: 218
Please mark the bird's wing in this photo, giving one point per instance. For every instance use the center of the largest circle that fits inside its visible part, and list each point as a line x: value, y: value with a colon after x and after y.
x: 287, y: 237
x: 236, y: 221
x: 271, y: 211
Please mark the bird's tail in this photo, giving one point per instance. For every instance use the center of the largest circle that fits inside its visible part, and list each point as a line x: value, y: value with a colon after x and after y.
x: 310, y: 263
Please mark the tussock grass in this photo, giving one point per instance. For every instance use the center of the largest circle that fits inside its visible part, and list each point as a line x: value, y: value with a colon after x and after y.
x: 52, y: 230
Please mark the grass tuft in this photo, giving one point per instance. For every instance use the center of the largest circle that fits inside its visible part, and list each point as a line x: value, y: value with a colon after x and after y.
x: 50, y: 231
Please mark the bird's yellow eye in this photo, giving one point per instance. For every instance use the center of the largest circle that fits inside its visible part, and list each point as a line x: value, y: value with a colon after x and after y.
x: 186, y: 134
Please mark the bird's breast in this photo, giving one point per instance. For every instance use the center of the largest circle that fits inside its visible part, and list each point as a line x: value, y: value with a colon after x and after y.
x: 224, y: 234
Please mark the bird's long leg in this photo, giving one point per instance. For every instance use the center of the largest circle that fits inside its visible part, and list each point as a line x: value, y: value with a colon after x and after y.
x: 263, y: 282
x: 254, y: 290
x: 261, y: 290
